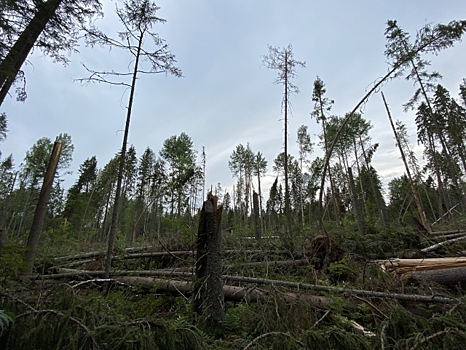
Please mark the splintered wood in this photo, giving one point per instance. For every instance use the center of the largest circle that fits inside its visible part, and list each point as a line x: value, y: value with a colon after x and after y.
x: 439, y: 270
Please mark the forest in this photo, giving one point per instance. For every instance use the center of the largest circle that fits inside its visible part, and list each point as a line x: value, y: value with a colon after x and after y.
x: 142, y: 253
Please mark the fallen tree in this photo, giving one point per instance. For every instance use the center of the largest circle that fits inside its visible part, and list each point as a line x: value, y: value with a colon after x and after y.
x: 68, y: 273
x: 446, y: 271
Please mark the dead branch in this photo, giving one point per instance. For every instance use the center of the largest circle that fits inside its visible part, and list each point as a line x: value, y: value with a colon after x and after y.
x: 441, y: 244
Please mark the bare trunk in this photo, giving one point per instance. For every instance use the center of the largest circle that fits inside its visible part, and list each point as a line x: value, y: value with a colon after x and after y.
x: 116, y: 205
x: 41, y: 208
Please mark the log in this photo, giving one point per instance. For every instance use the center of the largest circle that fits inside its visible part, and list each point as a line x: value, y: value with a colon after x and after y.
x: 401, y: 266
x: 441, y: 244
x: 231, y: 293
x: 299, y: 286
x: 447, y: 277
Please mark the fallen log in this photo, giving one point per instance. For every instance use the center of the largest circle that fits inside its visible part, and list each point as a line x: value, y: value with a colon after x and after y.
x: 401, y: 266
x: 446, y: 271
x: 446, y: 277
x: 67, y: 273
x: 231, y: 293
x: 441, y: 244
x: 155, y: 254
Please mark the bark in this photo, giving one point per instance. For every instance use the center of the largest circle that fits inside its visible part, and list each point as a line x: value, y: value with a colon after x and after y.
x: 446, y: 277
x: 17, y: 55
x: 441, y: 244
x: 209, y: 298
x: 116, y: 204
x: 41, y: 208
x: 257, y: 226
x: 287, y: 188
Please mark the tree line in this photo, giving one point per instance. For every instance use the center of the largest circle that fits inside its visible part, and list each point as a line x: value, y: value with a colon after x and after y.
x: 136, y: 196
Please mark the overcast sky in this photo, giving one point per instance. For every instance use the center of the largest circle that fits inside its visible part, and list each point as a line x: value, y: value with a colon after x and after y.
x: 227, y: 96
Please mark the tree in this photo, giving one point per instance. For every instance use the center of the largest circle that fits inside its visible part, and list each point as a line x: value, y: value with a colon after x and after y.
x: 399, y: 45
x: 3, y: 127
x: 53, y: 26
x: 417, y: 199
x: 81, y: 198
x: 138, y: 18
x: 41, y: 207
x: 430, y: 39
x: 260, y: 168
x: 322, y: 105
x: 179, y: 153
x: 282, y: 59
x: 242, y: 165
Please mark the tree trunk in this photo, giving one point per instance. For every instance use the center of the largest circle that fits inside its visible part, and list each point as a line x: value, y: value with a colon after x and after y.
x: 257, y: 226
x: 116, y: 205
x: 208, y: 297
x: 17, y: 55
x: 41, y: 208
x: 287, y: 188
x: 355, y: 203
x: 420, y: 209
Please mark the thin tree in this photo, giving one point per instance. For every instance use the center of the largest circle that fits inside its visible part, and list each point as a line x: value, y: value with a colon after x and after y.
x: 305, y: 148
x: 138, y: 18
x: 282, y: 60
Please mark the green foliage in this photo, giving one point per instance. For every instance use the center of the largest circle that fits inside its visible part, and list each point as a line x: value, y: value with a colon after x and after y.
x: 6, y: 318
x: 341, y: 270
x: 11, y: 263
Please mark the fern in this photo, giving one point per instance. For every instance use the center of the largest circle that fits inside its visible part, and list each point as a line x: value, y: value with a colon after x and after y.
x: 5, y: 319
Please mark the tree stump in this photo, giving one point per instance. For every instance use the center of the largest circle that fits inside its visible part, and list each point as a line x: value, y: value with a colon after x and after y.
x: 208, y: 287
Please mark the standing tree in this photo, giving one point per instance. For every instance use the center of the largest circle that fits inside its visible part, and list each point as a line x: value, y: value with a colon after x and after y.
x: 282, y: 60
x: 138, y: 17
x: 260, y: 168
x: 305, y: 148
x: 180, y: 155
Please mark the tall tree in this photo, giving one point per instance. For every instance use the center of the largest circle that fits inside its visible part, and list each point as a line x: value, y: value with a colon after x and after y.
x: 53, y: 26
x: 282, y: 60
x: 179, y: 153
x: 138, y: 18
x: 398, y: 43
x: 323, y: 105
x: 242, y: 166
x: 260, y: 168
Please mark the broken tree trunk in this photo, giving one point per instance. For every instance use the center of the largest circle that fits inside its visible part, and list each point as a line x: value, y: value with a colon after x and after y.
x: 255, y: 205
x: 446, y: 271
x: 208, y: 287
x: 41, y: 208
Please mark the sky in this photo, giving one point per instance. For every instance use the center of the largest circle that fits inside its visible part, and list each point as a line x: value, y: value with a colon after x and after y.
x: 226, y: 95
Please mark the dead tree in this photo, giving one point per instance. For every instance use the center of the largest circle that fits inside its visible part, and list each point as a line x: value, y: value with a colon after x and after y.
x: 208, y: 286
x: 41, y: 208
